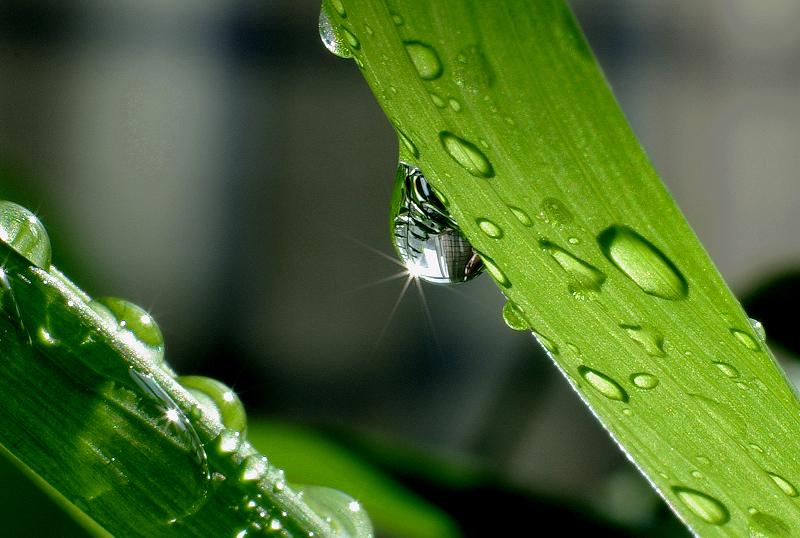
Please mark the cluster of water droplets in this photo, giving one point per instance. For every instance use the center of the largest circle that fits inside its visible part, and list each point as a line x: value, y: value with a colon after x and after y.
x: 87, y: 342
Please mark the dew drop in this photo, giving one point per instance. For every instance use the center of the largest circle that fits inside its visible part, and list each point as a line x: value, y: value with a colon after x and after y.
x: 454, y: 104
x: 603, y: 384
x: 254, y: 467
x: 745, y: 339
x: 490, y: 228
x: 328, y: 35
x: 133, y: 320
x: 514, y: 317
x: 758, y: 328
x: 785, y: 486
x: 728, y: 370
x: 397, y: 19
x: 368, y: 29
x: 337, y: 5
x: 438, y: 101
x: 407, y: 143
x: 583, y: 276
x: 25, y: 233
x: 228, y: 442
x: 425, y: 60
x: 648, y: 339
x: 217, y: 401
x: 467, y: 155
x: 643, y: 263
x: 352, y: 40
x: 703, y: 506
x: 345, y: 515
x: 471, y: 70
x: 763, y: 525
x: 521, y: 216
x: 546, y: 343
x: 553, y: 211
x: 498, y: 275
x: 644, y: 381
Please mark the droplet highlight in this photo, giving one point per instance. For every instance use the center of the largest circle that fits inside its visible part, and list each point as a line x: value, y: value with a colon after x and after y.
x: 521, y: 216
x: 553, y: 211
x: 728, y: 370
x: 763, y: 525
x: 643, y: 263
x: 644, y: 381
x: 649, y: 340
x: 498, y: 275
x: 438, y: 101
x: 408, y: 144
x: 514, y: 317
x: 22, y: 230
x: 603, y: 384
x: 490, y: 228
x: 217, y: 401
x: 425, y: 59
x: 703, y: 506
x: 454, y: 104
x: 745, y: 339
x: 344, y: 514
x: 758, y: 328
x: 785, y: 486
x: 582, y: 275
x: 133, y: 320
x: 467, y: 155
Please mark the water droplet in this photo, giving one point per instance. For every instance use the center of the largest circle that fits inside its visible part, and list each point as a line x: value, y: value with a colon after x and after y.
x: 521, y: 216
x: 425, y: 60
x: 130, y: 319
x: 498, y: 275
x: 337, y: 5
x: 763, y: 525
x: 466, y: 155
x: 745, y: 339
x: 471, y: 70
x: 553, y: 211
x: 703, y: 506
x: 643, y: 263
x: 329, y: 37
x: 697, y: 474
x: 438, y: 101
x: 454, y: 104
x: 490, y: 228
x: 254, y: 467
x: 583, y: 276
x: 648, y: 339
x: 785, y: 486
x: 352, y: 40
x: 514, y: 317
x: 369, y: 29
x: 345, y: 515
x: 573, y: 241
x: 603, y: 384
x: 228, y: 442
x: 546, y: 343
x: 644, y: 381
x: 702, y: 460
x: 758, y: 328
x: 727, y: 369
x: 407, y: 143
x: 25, y: 233
x: 217, y: 400
x: 425, y: 237
x: 397, y: 19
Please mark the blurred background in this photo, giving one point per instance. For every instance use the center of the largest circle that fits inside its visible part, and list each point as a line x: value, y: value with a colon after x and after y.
x: 209, y: 160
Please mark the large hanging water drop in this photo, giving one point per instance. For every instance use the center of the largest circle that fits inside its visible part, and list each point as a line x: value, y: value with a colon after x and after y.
x: 426, y: 238
x: 345, y: 515
x: 25, y: 233
x: 217, y: 400
x: 643, y: 263
x: 329, y: 37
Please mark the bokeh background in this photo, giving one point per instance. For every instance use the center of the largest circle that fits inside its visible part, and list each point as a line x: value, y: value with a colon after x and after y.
x: 209, y: 160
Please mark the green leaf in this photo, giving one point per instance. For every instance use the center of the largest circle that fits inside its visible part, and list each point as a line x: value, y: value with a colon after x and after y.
x: 594, y: 252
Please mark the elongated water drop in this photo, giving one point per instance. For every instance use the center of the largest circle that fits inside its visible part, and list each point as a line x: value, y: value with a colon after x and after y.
x: 490, y: 228
x: 728, y: 370
x: 467, y: 155
x: 643, y: 263
x: 425, y: 237
x: 425, y: 59
x: 346, y: 516
x: 25, y: 233
x: 217, y: 401
x: 763, y: 525
x: 703, y: 506
x: 758, y: 328
x: 408, y: 143
x: 582, y: 275
x: 328, y: 35
x: 352, y: 41
x: 454, y: 104
x: 745, y: 339
x: 471, y: 70
x: 337, y: 5
x: 521, y: 216
x: 438, y: 101
x: 603, y: 384
x: 553, y: 211
x: 785, y: 486
x: 133, y: 320
x: 644, y: 381
x: 497, y: 274
x: 651, y: 341
x: 514, y: 317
